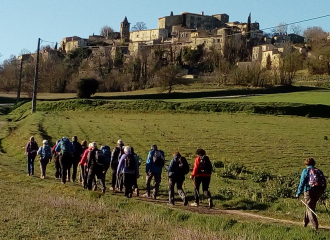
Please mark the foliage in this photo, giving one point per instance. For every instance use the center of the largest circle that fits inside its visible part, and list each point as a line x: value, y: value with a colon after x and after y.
x: 261, y: 176
x: 87, y: 87
x: 290, y: 62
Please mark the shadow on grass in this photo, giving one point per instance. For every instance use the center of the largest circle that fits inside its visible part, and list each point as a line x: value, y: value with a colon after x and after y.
x: 219, y: 93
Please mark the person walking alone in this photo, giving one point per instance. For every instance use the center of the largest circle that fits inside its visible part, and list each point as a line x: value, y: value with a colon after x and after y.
x: 312, y: 184
x: 31, y: 153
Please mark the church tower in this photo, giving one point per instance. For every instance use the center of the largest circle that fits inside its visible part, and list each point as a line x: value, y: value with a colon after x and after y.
x: 124, y: 30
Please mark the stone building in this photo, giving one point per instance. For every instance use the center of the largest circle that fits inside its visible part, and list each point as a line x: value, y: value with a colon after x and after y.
x: 70, y: 43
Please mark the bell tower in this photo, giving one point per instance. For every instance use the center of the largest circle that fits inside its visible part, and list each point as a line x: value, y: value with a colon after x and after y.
x: 124, y: 30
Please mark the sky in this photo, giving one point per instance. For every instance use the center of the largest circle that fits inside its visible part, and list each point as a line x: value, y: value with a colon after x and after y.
x: 24, y: 21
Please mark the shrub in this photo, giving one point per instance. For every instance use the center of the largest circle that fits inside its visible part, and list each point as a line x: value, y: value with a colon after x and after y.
x: 87, y: 87
x: 262, y: 176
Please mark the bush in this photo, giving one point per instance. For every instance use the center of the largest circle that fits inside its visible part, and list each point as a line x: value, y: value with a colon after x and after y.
x: 87, y: 87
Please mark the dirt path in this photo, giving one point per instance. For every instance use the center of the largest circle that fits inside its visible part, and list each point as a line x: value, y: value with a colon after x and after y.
x: 239, y: 215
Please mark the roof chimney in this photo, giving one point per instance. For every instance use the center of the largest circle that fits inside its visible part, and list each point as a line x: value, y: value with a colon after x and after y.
x: 202, y: 13
x: 171, y: 13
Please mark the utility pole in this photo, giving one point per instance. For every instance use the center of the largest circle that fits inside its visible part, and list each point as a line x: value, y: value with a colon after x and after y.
x: 34, y: 98
x: 19, y: 82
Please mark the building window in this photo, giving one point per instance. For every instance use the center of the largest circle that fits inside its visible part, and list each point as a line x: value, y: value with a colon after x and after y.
x: 218, y: 40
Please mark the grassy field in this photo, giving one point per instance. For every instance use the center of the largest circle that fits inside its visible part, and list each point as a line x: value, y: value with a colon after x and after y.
x: 257, y: 160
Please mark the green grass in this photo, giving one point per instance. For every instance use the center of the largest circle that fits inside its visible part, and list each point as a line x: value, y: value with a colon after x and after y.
x: 259, y: 145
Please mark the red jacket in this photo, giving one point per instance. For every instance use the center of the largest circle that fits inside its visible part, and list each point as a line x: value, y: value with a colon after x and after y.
x: 84, y: 157
x: 195, y: 172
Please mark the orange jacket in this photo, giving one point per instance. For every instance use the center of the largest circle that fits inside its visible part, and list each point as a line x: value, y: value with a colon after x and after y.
x: 195, y: 172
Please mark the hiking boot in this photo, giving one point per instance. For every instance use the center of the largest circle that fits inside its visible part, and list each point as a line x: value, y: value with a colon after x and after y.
x: 129, y: 195
x: 210, y: 203
x: 185, y: 203
x: 137, y: 192
x: 146, y: 195
x: 194, y: 204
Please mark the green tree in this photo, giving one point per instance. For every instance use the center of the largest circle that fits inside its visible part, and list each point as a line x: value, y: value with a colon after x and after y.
x: 290, y: 62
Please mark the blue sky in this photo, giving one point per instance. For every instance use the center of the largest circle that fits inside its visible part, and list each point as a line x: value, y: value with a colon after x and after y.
x: 24, y: 21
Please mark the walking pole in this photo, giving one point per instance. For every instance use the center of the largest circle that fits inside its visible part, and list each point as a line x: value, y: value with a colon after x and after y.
x: 308, y: 208
x: 325, y: 207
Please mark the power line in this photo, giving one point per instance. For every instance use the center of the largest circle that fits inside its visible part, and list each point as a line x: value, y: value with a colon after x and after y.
x: 306, y: 20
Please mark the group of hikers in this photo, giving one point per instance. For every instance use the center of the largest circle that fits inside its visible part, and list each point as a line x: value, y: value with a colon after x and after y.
x: 125, y: 164
x: 94, y: 163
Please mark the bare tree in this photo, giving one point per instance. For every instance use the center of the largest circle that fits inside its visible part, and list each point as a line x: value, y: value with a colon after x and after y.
x: 167, y: 77
x: 315, y: 34
x: 106, y: 30
x: 296, y: 29
x: 139, y: 26
x: 280, y: 29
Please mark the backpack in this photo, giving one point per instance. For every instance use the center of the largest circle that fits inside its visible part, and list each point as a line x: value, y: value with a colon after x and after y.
x: 130, y: 163
x: 100, y: 157
x: 107, y: 153
x: 65, y: 146
x: 117, y: 152
x: 316, y: 178
x: 205, y: 165
x: 158, y: 158
x: 46, y: 153
x: 184, y: 166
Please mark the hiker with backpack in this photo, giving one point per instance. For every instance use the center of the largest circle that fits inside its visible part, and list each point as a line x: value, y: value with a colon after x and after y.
x: 65, y: 149
x: 128, y: 166
x: 76, y: 156
x: 312, y: 184
x: 45, y: 153
x: 95, y: 167
x: 115, y: 156
x: 107, y: 153
x: 201, y: 174
x: 177, y: 170
x: 31, y: 153
x: 56, y: 161
x: 154, y: 167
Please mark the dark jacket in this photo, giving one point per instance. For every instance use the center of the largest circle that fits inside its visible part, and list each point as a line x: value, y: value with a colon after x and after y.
x: 175, y: 169
x: 31, y: 149
x: 77, y: 149
x: 116, y: 154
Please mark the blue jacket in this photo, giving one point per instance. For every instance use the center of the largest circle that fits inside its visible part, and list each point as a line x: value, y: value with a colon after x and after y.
x: 304, y: 181
x: 121, y: 166
x: 150, y: 166
x: 174, y: 170
x: 58, y: 147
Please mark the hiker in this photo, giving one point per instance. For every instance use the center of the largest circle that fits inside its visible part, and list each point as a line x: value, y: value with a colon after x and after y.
x: 31, y: 153
x: 312, y: 185
x: 107, y: 153
x: 76, y: 157
x: 115, y: 156
x: 177, y: 170
x: 65, y: 149
x: 57, y: 161
x: 201, y: 174
x: 154, y: 165
x: 83, y: 165
x: 95, y: 167
x: 82, y: 168
x: 128, y: 166
x: 45, y: 153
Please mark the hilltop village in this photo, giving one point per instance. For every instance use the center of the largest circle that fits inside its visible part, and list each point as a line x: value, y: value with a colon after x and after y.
x: 175, y: 32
